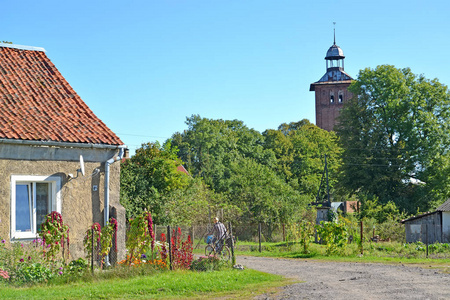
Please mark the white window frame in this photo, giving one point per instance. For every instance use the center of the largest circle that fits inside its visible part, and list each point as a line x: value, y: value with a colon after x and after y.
x: 55, y: 201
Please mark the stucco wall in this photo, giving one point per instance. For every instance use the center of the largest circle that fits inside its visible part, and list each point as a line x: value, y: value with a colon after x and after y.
x: 82, y: 198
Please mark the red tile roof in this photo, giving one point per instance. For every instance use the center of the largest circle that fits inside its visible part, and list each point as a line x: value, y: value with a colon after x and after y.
x: 38, y: 104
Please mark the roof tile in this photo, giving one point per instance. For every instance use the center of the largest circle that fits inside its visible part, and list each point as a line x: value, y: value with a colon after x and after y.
x: 37, y: 103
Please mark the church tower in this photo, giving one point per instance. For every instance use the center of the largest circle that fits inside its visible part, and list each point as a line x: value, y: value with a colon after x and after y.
x: 331, y: 89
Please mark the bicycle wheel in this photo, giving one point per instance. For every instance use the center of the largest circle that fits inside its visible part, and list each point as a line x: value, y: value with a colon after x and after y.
x: 224, y: 254
x: 209, y: 250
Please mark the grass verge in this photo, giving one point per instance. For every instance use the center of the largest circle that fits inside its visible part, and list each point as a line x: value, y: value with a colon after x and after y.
x: 389, y: 253
x: 167, y: 285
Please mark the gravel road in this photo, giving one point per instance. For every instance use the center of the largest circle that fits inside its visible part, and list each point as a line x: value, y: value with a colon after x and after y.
x: 336, y: 280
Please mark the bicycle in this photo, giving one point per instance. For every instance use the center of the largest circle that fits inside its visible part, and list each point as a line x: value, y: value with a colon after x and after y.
x: 217, y: 249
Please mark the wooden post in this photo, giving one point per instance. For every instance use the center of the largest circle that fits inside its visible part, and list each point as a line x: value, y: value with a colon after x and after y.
x: 426, y: 237
x: 170, y: 247
x: 233, y: 258
x: 362, y: 237
x: 259, y: 237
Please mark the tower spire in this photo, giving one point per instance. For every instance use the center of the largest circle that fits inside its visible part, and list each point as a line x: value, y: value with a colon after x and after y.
x: 334, y: 33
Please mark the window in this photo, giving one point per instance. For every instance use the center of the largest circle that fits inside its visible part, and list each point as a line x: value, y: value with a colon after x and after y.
x: 32, y: 198
x: 331, y: 98
x: 341, y: 98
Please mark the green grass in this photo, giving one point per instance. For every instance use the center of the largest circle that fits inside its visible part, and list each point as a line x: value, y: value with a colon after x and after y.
x: 391, y: 253
x: 167, y: 285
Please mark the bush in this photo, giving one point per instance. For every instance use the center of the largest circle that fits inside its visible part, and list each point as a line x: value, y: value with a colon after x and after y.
x: 77, y: 267
x: 33, y: 273
x: 209, y: 263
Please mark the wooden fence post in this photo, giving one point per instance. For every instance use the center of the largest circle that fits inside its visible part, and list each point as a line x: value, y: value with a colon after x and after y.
x: 259, y: 237
x: 362, y: 237
x: 233, y: 258
x: 170, y: 247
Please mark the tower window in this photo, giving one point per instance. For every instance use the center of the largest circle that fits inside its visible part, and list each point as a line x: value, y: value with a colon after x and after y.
x: 331, y: 98
x: 341, y: 98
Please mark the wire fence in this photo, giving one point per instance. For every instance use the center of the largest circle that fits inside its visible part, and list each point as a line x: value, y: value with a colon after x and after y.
x: 247, y: 238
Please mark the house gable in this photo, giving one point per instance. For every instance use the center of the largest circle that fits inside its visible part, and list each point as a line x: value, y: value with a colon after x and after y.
x: 38, y: 104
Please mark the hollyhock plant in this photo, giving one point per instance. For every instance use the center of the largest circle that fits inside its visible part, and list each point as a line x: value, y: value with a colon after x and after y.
x: 54, y: 234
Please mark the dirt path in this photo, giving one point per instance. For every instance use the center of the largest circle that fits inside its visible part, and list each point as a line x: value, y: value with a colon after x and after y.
x: 335, y: 280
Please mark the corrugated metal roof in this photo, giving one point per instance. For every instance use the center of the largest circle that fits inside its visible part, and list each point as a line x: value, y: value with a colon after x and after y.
x: 445, y: 206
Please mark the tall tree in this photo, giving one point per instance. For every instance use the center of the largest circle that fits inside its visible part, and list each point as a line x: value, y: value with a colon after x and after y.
x: 395, y: 135
x: 232, y: 160
x: 150, y: 180
x: 300, y: 149
x: 209, y: 147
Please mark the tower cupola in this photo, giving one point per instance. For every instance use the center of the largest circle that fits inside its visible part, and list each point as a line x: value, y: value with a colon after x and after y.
x: 335, y: 56
x: 331, y: 90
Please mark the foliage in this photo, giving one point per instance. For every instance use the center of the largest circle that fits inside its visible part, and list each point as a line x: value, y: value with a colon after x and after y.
x: 25, y: 263
x: 102, y: 238
x: 395, y: 135
x: 151, y: 181
x: 140, y: 238
x: 209, y: 263
x: 334, y: 235
x: 77, y: 267
x: 182, y: 255
x: 54, y: 233
x: 261, y: 195
x: 92, y: 240
x: 244, y: 174
x: 303, y: 233
x: 300, y: 148
x: 32, y: 273
x: 189, y: 205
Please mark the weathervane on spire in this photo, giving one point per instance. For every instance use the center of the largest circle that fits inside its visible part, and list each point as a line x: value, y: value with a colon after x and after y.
x: 334, y: 33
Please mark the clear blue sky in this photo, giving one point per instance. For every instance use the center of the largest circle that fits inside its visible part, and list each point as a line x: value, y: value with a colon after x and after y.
x: 144, y: 66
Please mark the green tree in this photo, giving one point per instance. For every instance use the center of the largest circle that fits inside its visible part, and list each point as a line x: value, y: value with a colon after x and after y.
x: 395, y: 135
x: 232, y: 160
x: 300, y: 148
x: 209, y: 147
x: 151, y: 181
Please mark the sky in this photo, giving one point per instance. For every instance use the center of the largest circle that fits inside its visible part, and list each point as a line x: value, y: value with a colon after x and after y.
x: 144, y: 66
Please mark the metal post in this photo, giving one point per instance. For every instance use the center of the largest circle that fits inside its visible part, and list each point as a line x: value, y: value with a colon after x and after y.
x: 259, y: 237
x: 233, y: 258
x: 92, y: 253
x: 170, y: 247
x: 426, y: 237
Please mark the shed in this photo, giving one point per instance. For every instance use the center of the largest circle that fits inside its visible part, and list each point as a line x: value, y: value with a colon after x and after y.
x: 434, y: 226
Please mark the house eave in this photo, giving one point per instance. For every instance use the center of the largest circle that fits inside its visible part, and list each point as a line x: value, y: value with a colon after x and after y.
x: 59, y: 144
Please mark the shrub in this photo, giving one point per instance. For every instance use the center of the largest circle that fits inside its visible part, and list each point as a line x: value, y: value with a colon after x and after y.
x: 33, y: 273
x: 209, y: 263
x: 333, y: 235
x: 182, y: 255
x: 77, y: 267
x: 140, y: 238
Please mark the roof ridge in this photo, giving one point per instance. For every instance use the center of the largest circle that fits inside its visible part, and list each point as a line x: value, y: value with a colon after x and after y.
x: 22, y: 47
